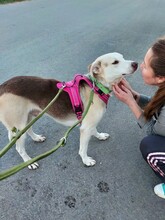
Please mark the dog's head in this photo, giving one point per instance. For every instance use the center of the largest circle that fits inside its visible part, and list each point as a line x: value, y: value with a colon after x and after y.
x: 110, y: 68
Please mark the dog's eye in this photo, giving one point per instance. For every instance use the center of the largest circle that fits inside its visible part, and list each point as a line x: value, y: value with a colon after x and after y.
x: 115, y: 62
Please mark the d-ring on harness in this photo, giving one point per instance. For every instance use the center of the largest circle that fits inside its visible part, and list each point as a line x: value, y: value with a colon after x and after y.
x: 72, y: 88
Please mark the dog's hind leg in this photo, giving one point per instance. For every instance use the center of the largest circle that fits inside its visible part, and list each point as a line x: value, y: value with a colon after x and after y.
x: 21, y: 150
x: 14, y: 114
x: 35, y: 137
x: 85, y: 135
x: 10, y: 135
x: 100, y: 136
x: 20, y: 146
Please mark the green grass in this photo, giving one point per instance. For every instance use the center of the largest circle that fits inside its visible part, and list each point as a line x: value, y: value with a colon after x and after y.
x: 9, y: 1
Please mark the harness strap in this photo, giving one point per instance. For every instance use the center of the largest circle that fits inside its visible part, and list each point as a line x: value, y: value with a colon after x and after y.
x: 72, y: 88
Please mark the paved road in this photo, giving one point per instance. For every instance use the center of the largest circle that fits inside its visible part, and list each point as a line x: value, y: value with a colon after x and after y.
x: 58, y: 39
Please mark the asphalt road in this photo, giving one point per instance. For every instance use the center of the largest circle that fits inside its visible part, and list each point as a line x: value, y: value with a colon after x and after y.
x: 58, y: 39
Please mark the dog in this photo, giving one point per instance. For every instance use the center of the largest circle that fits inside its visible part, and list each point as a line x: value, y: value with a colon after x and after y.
x: 23, y: 97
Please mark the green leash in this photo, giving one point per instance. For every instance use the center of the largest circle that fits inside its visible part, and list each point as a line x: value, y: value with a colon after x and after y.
x: 62, y: 141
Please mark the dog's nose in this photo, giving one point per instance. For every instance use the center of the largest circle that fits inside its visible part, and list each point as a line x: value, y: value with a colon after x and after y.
x: 134, y: 65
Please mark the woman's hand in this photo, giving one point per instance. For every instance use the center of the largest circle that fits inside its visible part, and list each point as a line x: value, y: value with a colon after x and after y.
x: 126, y: 84
x: 123, y: 93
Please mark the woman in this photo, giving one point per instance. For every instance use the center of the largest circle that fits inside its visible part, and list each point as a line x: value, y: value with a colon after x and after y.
x: 150, y: 112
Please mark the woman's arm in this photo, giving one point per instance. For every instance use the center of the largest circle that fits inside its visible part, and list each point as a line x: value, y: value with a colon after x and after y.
x: 126, y: 95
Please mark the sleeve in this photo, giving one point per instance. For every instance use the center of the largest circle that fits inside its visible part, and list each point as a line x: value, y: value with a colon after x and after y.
x: 143, y: 123
x: 143, y: 100
x: 154, y: 126
x: 159, y: 126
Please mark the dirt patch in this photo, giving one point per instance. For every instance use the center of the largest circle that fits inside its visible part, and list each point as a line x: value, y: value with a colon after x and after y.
x: 103, y: 187
x: 70, y: 201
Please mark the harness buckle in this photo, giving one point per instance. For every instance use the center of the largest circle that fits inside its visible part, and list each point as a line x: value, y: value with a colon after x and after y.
x: 78, y: 111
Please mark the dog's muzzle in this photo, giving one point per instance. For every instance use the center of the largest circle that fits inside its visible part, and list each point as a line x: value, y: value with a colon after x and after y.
x: 134, y: 65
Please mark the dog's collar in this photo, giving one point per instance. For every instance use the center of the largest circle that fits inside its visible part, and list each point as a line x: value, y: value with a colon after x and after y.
x: 104, y: 89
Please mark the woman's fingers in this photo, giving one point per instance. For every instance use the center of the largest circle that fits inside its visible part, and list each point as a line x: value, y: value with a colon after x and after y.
x: 117, y: 89
x: 123, y: 93
x: 124, y: 88
x: 119, y: 93
x: 121, y: 88
x: 125, y: 82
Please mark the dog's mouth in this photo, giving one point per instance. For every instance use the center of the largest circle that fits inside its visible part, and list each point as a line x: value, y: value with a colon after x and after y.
x: 134, y: 66
x: 124, y: 74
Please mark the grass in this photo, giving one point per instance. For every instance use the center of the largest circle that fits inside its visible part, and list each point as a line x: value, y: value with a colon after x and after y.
x: 9, y: 1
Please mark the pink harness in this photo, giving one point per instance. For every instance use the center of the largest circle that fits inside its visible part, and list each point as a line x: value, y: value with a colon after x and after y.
x: 72, y: 88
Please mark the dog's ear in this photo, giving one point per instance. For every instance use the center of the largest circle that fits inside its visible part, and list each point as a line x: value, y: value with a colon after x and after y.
x: 95, y: 68
x: 89, y: 67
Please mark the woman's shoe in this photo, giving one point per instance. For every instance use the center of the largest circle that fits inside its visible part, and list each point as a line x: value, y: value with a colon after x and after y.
x: 160, y: 190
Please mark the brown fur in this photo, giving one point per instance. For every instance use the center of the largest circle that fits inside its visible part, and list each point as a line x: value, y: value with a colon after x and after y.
x: 46, y: 88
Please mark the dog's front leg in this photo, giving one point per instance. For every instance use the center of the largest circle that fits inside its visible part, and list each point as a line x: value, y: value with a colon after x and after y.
x: 85, y: 135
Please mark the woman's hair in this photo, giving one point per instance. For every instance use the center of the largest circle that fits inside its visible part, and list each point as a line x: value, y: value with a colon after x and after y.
x: 157, y: 63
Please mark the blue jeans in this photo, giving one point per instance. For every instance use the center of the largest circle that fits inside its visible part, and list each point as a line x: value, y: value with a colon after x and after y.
x: 152, y: 148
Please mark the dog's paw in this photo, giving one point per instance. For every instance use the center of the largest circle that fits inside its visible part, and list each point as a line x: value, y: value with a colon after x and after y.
x: 39, y: 138
x: 102, y: 136
x: 33, y: 166
x: 89, y: 161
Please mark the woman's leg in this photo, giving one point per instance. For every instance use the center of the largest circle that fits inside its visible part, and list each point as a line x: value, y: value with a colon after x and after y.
x: 153, y: 150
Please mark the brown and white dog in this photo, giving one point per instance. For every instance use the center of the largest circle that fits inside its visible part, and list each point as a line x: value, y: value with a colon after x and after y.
x: 23, y: 97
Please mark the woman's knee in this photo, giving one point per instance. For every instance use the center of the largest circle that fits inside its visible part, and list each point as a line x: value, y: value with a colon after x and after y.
x: 146, y: 146
x: 152, y: 143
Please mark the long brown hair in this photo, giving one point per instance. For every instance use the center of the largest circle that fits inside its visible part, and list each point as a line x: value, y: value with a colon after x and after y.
x: 158, y: 65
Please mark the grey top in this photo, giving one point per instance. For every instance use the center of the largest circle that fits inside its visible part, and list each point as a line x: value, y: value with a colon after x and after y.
x: 157, y: 123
